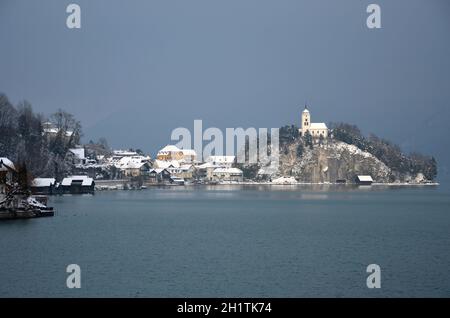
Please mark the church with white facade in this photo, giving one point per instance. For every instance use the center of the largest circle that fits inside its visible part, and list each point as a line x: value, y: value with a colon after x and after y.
x: 315, y: 129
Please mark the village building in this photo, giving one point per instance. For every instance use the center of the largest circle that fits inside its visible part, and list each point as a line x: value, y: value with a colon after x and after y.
x: 7, y: 172
x: 205, y: 170
x: 133, y: 166
x: 189, y: 155
x: 163, y: 164
x: 124, y: 153
x: 136, y: 169
x: 156, y: 176
x: 185, y: 172
x: 77, y: 185
x: 222, y: 161
x: 117, y: 157
x: 173, y: 153
x: 227, y: 175
x: 169, y: 153
x: 77, y: 156
x: 176, y: 181
x: 317, y: 130
x: 43, y: 186
x: 50, y: 130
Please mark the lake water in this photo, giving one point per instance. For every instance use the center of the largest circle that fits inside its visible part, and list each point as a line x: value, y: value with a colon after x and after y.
x: 234, y: 241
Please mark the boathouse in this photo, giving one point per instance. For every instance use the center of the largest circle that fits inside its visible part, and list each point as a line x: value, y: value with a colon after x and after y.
x: 77, y: 185
x: 364, y: 180
x: 43, y: 186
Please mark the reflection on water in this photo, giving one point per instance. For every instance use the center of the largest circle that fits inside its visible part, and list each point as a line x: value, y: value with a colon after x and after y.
x: 234, y: 240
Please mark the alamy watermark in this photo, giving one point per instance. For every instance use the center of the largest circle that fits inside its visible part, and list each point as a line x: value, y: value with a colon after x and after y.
x: 74, y: 279
x: 374, y: 19
x: 374, y: 279
x: 250, y: 145
x: 73, y: 20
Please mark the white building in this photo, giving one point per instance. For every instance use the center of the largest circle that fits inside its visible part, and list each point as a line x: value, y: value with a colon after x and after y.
x: 227, y: 175
x: 79, y: 157
x: 124, y: 153
x: 189, y: 155
x: 315, y: 129
x: 133, y: 166
x: 164, y: 164
x: 184, y: 172
x: 51, y: 130
x: 223, y: 161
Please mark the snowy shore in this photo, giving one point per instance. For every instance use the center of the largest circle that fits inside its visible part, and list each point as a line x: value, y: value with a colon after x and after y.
x: 124, y: 185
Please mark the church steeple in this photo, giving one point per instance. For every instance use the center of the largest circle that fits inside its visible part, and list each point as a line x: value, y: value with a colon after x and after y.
x: 306, y: 120
x: 306, y: 109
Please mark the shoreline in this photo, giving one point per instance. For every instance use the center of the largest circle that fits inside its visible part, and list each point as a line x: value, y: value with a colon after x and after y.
x: 105, y: 185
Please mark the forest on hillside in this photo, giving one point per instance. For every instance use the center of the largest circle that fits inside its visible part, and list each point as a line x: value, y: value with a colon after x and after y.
x: 24, y: 142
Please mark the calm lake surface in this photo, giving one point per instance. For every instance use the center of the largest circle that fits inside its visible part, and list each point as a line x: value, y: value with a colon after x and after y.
x: 236, y: 241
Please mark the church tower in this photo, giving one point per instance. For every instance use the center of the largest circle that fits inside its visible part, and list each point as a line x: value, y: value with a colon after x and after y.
x: 306, y: 121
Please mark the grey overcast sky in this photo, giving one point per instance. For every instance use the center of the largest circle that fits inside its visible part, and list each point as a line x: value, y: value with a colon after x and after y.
x: 138, y: 69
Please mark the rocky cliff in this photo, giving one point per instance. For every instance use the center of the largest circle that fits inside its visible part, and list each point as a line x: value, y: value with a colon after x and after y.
x: 331, y: 161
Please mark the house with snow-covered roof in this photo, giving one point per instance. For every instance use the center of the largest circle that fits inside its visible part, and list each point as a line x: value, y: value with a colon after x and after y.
x: 77, y: 185
x: 226, y: 174
x: 43, y: 185
x: 185, y: 171
x: 224, y: 161
x: 189, y: 155
x: 133, y: 166
x: 77, y: 155
x: 50, y: 130
x: 159, y: 176
x: 169, y: 153
x: 7, y: 172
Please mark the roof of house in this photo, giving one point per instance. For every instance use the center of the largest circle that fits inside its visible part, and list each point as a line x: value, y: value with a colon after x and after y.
x: 189, y: 152
x: 43, y: 182
x: 131, y: 162
x: 124, y: 153
x: 157, y: 170
x: 6, y: 162
x: 365, y: 178
x: 169, y: 148
x: 318, y: 126
x: 228, y: 170
x: 208, y: 165
x: 54, y: 130
x: 86, y: 181
x: 180, y: 168
x: 78, y: 152
x: 166, y: 164
x: 221, y: 159
x: 135, y: 165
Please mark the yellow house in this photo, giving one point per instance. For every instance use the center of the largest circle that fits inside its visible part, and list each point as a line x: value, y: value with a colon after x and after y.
x: 170, y: 152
